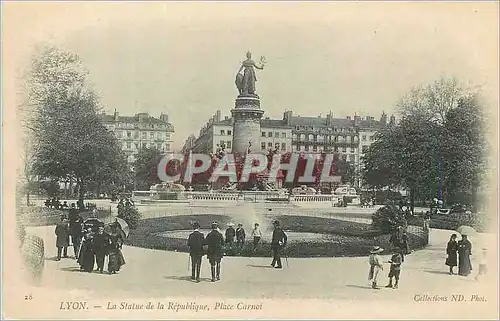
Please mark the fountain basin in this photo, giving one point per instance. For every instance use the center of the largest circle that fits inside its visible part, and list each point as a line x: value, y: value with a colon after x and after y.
x: 292, y: 236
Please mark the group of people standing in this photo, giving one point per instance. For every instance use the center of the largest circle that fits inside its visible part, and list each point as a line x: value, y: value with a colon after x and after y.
x: 213, y: 246
x: 458, y: 253
x: 238, y: 236
x: 91, y: 244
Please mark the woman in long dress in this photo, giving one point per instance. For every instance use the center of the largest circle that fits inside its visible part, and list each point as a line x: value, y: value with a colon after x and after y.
x: 464, y: 253
x: 451, y: 252
x: 116, y: 259
x: 86, y: 256
x: 249, y: 78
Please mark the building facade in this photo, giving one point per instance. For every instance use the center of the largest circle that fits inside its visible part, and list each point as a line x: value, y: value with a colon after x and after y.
x: 350, y: 136
x: 275, y: 134
x: 140, y: 131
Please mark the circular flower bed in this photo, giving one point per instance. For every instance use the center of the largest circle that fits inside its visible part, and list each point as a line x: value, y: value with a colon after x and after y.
x: 343, y: 238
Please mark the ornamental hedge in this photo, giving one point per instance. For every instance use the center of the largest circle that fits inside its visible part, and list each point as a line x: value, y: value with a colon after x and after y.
x: 343, y: 238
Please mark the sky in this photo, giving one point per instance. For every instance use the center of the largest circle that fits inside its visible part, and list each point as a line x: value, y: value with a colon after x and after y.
x: 182, y: 58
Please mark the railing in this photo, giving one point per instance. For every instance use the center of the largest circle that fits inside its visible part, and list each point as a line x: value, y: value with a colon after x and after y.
x: 316, y: 198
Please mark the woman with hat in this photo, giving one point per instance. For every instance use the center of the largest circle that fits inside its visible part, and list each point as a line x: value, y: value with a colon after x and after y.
x: 451, y: 253
x: 375, y: 265
x: 215, y: 243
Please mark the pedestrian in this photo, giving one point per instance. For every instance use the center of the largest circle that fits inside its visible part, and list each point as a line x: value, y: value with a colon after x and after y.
x: 196, y: 241
x: 278, y: 243
x: 375, y: 266
x: 405, y: 245
x: 451, y: 253
x: 116, y: 259
x: 395, y: 269
x: 86, y: 257
x: 215, y: 243
x: 230, y: 234
x: 62, y: 238
x: 240, y: 237
x: 100, y: 246
x: 427, y: 220
x: 75, y: 228
x: 257, y: 236
x: 483, y: 269
x: 464, y: 253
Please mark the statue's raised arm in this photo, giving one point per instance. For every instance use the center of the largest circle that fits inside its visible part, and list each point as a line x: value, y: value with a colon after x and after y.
x: 246, y: 82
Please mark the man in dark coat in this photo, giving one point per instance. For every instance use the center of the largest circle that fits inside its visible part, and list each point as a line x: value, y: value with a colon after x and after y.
x: 75, y: 228
x: 277, y: 244
x: 240, y: 237
x: 215, y: 243
x: 100, y: 246
x: 62, y: 238
x: 230, y: 234
x: 196, y: 241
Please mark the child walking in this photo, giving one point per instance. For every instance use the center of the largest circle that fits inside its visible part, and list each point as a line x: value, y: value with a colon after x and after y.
x: 395, y: 269
x: 375, y: 266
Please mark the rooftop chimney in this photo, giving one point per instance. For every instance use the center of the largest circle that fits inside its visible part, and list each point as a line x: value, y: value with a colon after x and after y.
x: 164, y: 117
x: 383, y: 118
x: 218, y: 116
x: 287, y: 116
x: 116, y: 116
x: 349, y: 117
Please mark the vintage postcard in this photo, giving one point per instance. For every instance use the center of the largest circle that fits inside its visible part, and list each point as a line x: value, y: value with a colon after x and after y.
x: 250, y: 160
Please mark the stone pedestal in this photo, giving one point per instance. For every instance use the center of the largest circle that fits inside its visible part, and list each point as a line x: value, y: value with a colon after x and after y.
x: 246, y: 126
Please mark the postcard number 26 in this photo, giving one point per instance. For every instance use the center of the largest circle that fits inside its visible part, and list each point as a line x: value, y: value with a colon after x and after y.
x: 28, y: 297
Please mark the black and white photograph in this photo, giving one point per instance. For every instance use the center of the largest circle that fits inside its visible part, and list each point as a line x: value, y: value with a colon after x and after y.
x: 250, y: 160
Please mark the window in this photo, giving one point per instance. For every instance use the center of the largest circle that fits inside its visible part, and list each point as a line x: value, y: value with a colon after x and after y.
x: 263, y: 134
x: 228, y: 144
x: 315, y: 148
x: 344, y: 149
x: 160, y: 135
x: 363, y: 138
x: 270, y: 134
x: 129, y: 134
x: 229, y: 132
x: 136, y: 134
x: 283, y: 146
x: 348, y: 158
x: 144, y: 145
x: 269, y: 145
x: 311, y: 137
x: 348, y: 138
x: 167, y: 136
x: 283, y: 135
x: 294, y: 136
x: 129, y: 146
x: 136, y: 145
x: 158, y: 146
x: 263, y: 146
x: 144, y: 135
x: 364, y: 149
x: 306, y: 148
x: 222, y: 132
x: 302, y: 137
x: 336, y: 149
x: 277, y: 145
x: 152, y: 134
x: 167, y: 147
x: 276, y: 135
x: 371, y: 137
x: 352, y: 150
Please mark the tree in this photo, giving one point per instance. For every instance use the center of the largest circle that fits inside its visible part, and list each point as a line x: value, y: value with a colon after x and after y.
x: 70, y: 141
x: 437, y: 150
x: 146, y: 168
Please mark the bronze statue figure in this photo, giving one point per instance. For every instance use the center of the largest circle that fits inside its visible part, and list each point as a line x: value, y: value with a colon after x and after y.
x: 246, y: 82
